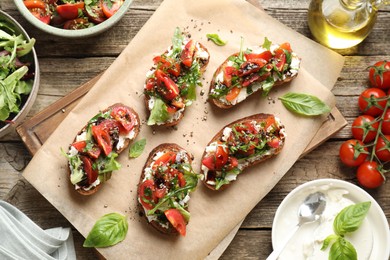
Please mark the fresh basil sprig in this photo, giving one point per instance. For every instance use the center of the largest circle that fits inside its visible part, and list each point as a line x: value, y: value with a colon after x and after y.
x: 107, y: 231
x: 304, y: 104
x: 137, y: 148
x: 347, y: 221
x: 216, y: 39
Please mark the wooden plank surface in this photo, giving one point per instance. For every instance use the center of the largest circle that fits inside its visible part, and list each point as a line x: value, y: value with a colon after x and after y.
x: 64, y: 68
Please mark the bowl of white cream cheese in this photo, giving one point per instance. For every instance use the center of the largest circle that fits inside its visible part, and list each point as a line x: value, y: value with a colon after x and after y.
x: 371, y: 240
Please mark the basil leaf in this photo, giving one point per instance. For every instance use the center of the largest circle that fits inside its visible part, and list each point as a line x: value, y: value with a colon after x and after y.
x: 216, y: 39
x: 329, y: 240
x: 137, y: 148
x: 267, y: 44
x: 107, y: 231
x: 304, y: 104
x: 342, y: 249
x: 350, y: 218
x: 159, y: 113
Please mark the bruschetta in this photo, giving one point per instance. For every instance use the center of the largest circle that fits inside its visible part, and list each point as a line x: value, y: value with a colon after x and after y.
x: 164, y: 189
x: 240, y: 144
x: 171, y: 83
x: 92, y: 155
x: 255, y: 69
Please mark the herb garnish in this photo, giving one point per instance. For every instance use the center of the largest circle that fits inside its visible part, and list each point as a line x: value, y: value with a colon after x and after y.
x: 137, y: 148
x: 304, y: 104
x: 216, y: 39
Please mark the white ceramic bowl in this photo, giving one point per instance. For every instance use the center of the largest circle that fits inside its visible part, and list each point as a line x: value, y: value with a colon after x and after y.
x: 286, y: 218
x: 82, y: 33
x: 32, y: 57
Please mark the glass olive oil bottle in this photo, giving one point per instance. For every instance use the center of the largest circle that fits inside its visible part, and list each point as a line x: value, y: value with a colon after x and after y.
x: 341, y: 24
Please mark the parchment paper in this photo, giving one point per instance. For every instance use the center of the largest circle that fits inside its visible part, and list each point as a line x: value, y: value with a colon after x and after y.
x: 213, y: 214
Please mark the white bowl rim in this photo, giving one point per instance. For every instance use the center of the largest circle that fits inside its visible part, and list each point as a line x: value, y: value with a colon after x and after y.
x: 91, y: 31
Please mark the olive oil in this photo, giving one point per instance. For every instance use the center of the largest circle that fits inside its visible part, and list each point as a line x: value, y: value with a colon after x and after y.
x: 341, y: 24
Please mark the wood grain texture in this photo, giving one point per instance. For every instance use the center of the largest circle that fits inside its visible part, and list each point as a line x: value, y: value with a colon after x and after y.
x: 64, y: 68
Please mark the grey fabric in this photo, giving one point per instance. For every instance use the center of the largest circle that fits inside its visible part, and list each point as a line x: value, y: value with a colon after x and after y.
x: 21, y: 238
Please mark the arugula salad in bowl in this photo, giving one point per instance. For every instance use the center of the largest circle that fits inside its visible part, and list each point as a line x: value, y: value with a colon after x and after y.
x: 19, y: 73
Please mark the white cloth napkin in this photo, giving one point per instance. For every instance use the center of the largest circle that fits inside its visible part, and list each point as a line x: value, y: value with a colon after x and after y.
x: 21, y: 238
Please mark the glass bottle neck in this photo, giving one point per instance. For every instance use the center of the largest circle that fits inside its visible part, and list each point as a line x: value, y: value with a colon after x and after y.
x: 353, y: 4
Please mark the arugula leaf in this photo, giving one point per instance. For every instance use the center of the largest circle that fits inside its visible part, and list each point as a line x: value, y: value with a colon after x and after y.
x: 107, y: 231
x: 137, y: 148
x: 107, y: 164
x: 177, y: 42
x: 216, y: 39
x: 350, y: 218
x: 267, y: 85
x: 190, y: 80
x: 304, y: 104
x: 159, y: 112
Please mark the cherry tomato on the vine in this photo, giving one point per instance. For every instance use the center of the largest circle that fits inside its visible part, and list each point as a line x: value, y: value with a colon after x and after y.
x: 369, y: 175
x: 364, y: 128
x: 372, y: 101
x: 379, y: 74
x: 386, y: 123
x: 382, y: 148
x: 353, y: 152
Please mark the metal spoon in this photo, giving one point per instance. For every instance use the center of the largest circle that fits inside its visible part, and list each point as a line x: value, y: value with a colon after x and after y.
x: 309, y: 211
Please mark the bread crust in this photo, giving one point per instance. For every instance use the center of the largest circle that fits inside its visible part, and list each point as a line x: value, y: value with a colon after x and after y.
x: 125, y: 145
x: 162, y: 147
x: 217, y: 102
x: 258, y: 118
x: 180, y: 117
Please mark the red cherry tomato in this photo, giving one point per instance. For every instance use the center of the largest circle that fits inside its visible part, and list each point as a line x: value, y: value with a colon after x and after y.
x: 177, y: 220
x: 369, y: 175
x: 286, y: 46
x: 41, y: 14
x: 95, y: 13
x: 159, y: 193
x: 209, y: 162
x: 382, y: 148
x: 30, y: 4
x: 92, y: 175
x: 188, y: 53
x: 168, y: 157
x: 166, y: 86
x: 110, y: 7
x: 94, y: 152
x: 386, y: 123
x: 221, y: 157
x: 167, y: 64
x: 364, y: 128
x: 379, y: 75
x: 103, y: 138
x: 353, y: 153
x: 280, y: 58
x: 266, y: 55
x: 232, y: 94
x: 70, y: 11
x: 79, y: 145
x: 369, y: 103
x: 124, y: 116
x: 274, y: 143
x: 145, y: 194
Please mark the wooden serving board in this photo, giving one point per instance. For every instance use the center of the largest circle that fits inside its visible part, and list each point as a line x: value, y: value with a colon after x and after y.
x: 35, y: 131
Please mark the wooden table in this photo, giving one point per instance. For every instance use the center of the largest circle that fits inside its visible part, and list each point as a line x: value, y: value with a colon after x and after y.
x: 66, y: 64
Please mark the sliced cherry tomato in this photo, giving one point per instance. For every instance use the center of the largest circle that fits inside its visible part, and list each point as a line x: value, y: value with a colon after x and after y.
x: 249, y: 67
x: 145, y: 193
x: 382, y: 148
x: 369, y: 175
x: 280, y: 59
x: 209, y: 162
x: 364, y: 128
x: 30, y: 4
x: 70, y: 11
x: 232, y: 162
x: 92, y: 175
x: 188, y: 53
x: 110, y: 7
x: 80, y: 145
x: 94, y: 152
x: 57, y: 20
x: 166, y: 86
x: 159, y: 193
x: 386, y: 123
x: 41, y: 14
x: 266, y: 55
x: 228, y: 72
x: 274, y: 143
x: 221, y: 157
x: 232, y: 94
x: 103, y: 138
x: 167, y: 64
x: 270, y: 121
x: 286, y: 46
x: 379, y: 74
x: 369, y: 103
x: 150, y: 84
x: 353, y: 153
x: 251, y: 79
x: 95, y: 13
x: 124, y: 116
x: 168, y: 157
x: 76, y: 24
x: 177, y: 220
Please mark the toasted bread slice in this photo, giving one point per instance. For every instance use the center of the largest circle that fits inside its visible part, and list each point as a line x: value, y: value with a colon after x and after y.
x: 171, y: 82
x: 255, y: 69
x: 238, y: 145
x: 111, y: 132
x: 166, y: 171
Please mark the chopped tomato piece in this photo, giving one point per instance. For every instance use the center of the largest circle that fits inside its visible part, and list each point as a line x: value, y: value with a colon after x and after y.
x: 168, y: 157
x: 221, y: 157
x: 209, y: 162
x: 180, y: 176
x: 269, y: 121
x: 177, y: 220
x: 150, y: 83
x: 79, y: 145
x: 124, y: 116
x: 232, y: 162
x: 95, y: 13
x: 232, y: 94
x: 41, y: 14
x: 188, y: 53
x: 171, y: 110
x: 70, y: 11
x: 286, y: 46
x: 159, y: 193
x: 103, y: 138
x: 34, y: 4
x: 94, y: 152
x: 228, y: 72
x: 145, y: 193
x: 280, y: 59
x: 110, y: 7
x: 251, y: 79
x: 178, y: 104
x: 274, y: 143
x: 167, y: 64
x: 266, y: 55
x: 92, y: 175
x: 166, y: 86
